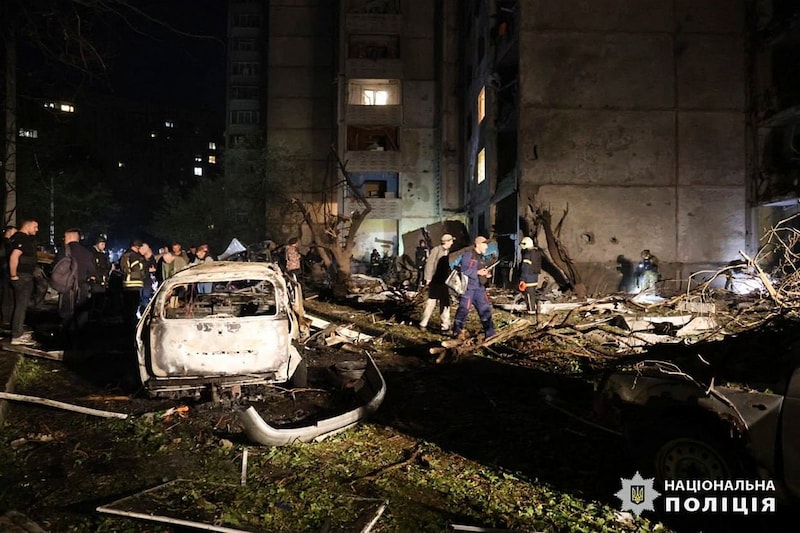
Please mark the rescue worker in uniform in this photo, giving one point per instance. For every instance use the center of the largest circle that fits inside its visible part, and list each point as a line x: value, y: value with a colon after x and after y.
x: 530, y: 268
x: 647, y: 271
x: 132, y: 265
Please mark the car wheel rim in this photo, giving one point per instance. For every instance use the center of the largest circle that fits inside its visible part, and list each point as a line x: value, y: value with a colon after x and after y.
x: 691, y: 459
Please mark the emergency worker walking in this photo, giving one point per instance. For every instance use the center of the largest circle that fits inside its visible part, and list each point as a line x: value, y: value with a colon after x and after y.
x: 473, y: 265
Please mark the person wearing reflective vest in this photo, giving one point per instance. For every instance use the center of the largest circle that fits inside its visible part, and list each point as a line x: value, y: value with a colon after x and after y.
x: 132, y: 266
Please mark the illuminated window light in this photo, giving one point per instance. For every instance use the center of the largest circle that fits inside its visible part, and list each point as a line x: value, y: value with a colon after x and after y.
x: 373, y: 97
x: 169, y: 124
x: 212, y: 146
x: 31, y: 134
x: 212, y: 159
x: 66, y: 108
x: 198, y: 159
x: 120, y: 164
x: 198, y: 171
x: 481, y: 166
x: 153, y: 134
x: 481, y: 104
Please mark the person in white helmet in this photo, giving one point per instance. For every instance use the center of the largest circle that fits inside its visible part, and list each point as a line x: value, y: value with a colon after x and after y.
x: 530, y: 268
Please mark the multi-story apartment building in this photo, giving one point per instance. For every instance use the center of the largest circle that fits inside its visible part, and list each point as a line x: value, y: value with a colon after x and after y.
x: 363, y: 77
x: 628, y: 116
x: 628, y: 121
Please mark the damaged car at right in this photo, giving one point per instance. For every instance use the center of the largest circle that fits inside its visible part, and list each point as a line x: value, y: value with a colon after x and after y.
x: 715, y: 410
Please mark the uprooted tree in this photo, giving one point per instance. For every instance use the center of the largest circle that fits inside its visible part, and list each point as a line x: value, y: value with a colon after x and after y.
x: 537, y: 217
x: 335, y: 233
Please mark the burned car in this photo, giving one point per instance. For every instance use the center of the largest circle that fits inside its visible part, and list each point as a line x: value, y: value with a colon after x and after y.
x: 221, y: 325
x: 717, y: 410
x: 236, y: 330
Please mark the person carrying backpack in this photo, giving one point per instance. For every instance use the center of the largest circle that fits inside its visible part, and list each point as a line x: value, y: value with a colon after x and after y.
x: 72, y: 276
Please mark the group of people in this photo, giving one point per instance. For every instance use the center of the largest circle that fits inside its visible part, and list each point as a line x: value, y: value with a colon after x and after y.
x: 92, y: 292
x: 142, y: 269
x: 475, y: 266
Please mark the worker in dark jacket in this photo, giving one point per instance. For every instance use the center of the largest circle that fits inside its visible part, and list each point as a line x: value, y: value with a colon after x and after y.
x: 529, y: 270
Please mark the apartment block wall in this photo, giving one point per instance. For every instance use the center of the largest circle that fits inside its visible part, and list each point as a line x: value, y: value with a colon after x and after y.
x: 301, y: 94
x: 632, y: 116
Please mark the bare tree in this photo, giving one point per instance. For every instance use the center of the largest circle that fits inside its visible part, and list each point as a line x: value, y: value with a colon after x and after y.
x: 334, y: 233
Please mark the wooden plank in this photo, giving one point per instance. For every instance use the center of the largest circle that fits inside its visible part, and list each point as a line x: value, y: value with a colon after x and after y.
x: 54, y: 355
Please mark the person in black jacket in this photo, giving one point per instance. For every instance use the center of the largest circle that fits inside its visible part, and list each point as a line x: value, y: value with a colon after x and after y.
x: 73, y: 304
x: 420, y: 258
x: 99, y: 282
x: 529, y: 270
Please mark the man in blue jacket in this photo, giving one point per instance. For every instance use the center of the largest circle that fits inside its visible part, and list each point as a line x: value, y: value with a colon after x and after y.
x: 474, y: 266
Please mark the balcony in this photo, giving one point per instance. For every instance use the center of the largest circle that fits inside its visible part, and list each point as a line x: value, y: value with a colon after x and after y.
x: 374, y: 23
x: 374, y: 114
x: 382, y: 208
x: 373, y: 160
x: 374, y: 68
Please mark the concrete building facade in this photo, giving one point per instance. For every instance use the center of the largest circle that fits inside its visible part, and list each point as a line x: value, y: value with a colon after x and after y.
x: 357, y: 80
x: 627, y: 116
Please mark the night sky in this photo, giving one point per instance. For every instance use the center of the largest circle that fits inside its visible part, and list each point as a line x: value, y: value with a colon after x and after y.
x: 184, y: 67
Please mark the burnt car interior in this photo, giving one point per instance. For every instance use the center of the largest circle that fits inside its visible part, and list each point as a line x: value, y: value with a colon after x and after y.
x: 241, y: 298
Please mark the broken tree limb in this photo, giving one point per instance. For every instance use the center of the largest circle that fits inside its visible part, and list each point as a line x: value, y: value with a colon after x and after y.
x: 764, y: 279
x: 61, y: 405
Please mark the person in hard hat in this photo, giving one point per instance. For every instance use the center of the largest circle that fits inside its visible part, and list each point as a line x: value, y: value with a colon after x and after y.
x: 647, y: 271
x: 529, y: 270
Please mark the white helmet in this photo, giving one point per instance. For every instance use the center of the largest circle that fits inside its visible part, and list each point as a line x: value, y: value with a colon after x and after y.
x: 526, y: 243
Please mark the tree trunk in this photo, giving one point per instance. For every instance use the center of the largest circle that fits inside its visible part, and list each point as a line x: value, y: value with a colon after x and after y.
x: 10, y: 162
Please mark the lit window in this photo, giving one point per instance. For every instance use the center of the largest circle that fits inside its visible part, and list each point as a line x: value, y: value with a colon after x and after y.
x: 120, y: 164
x: 481, y: 165
x: 50, y: 105
x: 169, y: 124
x: 66, y: 108
x: 198, y: 171
x: 31, y: 134
x: 198, y: 159
x: 212, y: 146
x: 212, y: 159
x: 481, y: 104
x: 371, y: 97
x: 153, y: 134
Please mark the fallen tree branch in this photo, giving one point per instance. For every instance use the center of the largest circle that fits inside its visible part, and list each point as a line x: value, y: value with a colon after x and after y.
x: 61, y: 405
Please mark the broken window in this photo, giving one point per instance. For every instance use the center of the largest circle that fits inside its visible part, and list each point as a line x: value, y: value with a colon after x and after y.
x: 240, y: 298
x: 374, y: 47
x: 378, y: 138
x: 373, y: 92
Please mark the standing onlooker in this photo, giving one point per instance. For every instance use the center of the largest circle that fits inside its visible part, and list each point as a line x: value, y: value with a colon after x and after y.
x: 292, y: 258
x: 178, y: 261
x: 473, y: 265
x: 420, y: 258
x: 132, y: 267
x: 6, y: 294
x: 201, y: 256
x: 21, y: 264
x: 102, y: 272
x: 73, y: 304
x: 150, y: 283
x: 436, y: 271
x: 529, y: 270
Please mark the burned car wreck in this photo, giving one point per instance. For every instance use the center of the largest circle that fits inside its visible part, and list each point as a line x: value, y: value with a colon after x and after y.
x: 232, y: 331
x: 717, y: 410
